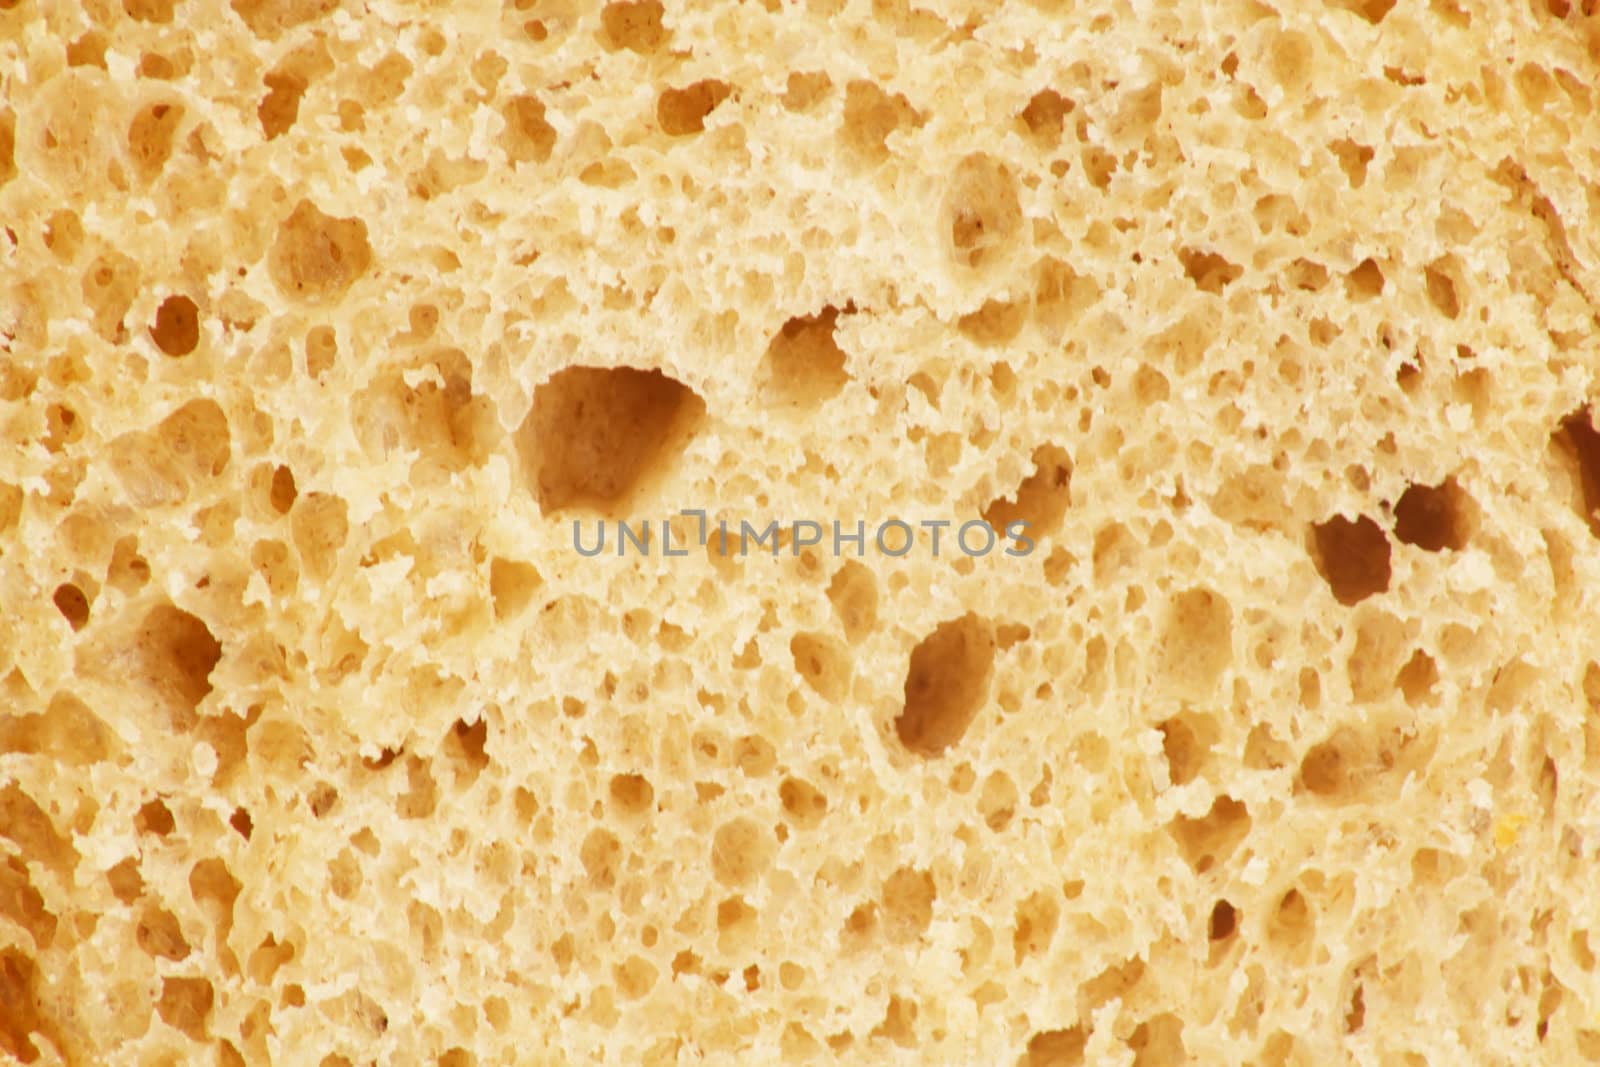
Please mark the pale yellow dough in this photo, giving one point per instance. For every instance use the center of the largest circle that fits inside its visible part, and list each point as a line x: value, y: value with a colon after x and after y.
x: 321, y: 320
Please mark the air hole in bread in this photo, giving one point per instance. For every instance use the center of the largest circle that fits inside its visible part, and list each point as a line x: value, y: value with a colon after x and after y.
x: 946, y: 683
x: 1045, y: 116
x: 804, y: 803
x: 1434, y: 517
x: 320, y: 525
x: 870, y: 116
x: 805, y: 89
x: 512, y: 584
x: 1041, y: 499
x: 597, y: 435
x: 1186, y: 741
x: 823, y: 663
x: 185, y: 1004
x: 996, y: 322
x: 70, y: 600
x: 1352, y: 555
x: 318, y: 257
x: 1196, y: 642
x: 1373, y: 11
x: 982, y: 212
x: 1158, y: 1042
x: 907, y: 904
x: 634, y: 25
x: 150, y: 137
x: 682, y: 112
x: 281, y: 106
x: 1210, y: 272
x: 1441, y: 278
x: 1578, y: 441
x: 1056, y: 1048
x: 741, y: 850
x: 1365, y: 280
x: 176, y: 330
x: 804, y: 366
x: 270, y: 19
x: 1212, y: 838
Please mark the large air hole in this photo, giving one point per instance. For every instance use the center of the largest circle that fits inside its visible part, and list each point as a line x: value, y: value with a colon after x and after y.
x: 1434, y: 517
x: 1364, y: 281
x: 853, y: 592
x: 1210, y: 272
x: 1352, y: 555
x: 908, y: 899
x: 528, y: 137
x: 945, y: 685
x: 598, y: 436
x: 1579, y: 441
x: 1353, y: 159
x: 1045, y: 116
x: 73, y: 604
x: 682, y: 112
x: 1036, y: 922
x: 281, y: 106
x: 466, y: 748
x: 1186, y: 741
x: 996, y: 322
x: 185, y: 1005
x: 512, y: 584
x: 803, y: 803
x: 1158, y: 1042
x: 632, y: 794
x: 1444, y: 290
x: 1042, y: 498
x: 68, y: 732
x: 1417, y: 678
x: 1212, y: 838
x: 177, y: 327
x: 982, y: 213
x: 159, y: 935
x: 1338, y: 768
x: 1223, y: 922
x: 8, y: 144
x: 634, y: 25
x: 870, y: 116
x: 282, y: 491
x: 805, y: 89
x: 270, y: 19
x: 24, y: 1028
x: 741, y: 850
x: 1196, y: 643
x: 318, y: 257
x: 150, y: 137
x: 1292, y: 926
x: 1056, y: 1048
x: 173, y: 654
x: 320, y: 524
x: 804, y: 365
x: 154, y: 817
x: 823, y: 663
x: 1371, y: 10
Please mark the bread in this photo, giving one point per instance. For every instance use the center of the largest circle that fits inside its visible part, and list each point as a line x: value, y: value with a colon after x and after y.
x: 324, y: 322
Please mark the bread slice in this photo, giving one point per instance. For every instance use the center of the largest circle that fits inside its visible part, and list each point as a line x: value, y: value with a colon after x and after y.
x: 332, y: 331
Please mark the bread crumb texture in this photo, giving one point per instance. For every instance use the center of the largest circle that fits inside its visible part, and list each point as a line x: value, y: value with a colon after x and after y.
x: 323, y: 319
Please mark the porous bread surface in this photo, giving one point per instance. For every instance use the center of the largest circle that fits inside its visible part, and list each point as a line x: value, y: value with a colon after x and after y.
x: 322, y: 320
